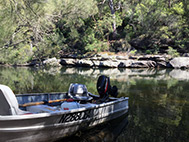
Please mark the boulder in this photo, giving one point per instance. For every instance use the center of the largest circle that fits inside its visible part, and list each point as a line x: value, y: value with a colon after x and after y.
x: 109, y: 63
x: 137, y: 64
x: 186, y: 55
x: 122, y: 57
x: 180, y: 62
x: 52, y: 62
x: 68, y: 61
x: 85, y: 62
x: 161, y: 60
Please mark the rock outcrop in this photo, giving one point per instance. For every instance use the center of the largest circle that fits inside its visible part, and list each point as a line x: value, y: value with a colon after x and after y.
x: 180, y: 62
x: 113, y: 61
x: 52, y: 62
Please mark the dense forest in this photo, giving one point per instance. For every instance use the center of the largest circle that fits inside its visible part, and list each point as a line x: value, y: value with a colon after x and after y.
x: 38, y: 29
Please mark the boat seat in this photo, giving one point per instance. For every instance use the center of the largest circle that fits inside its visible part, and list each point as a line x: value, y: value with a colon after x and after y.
x: 8, y: 101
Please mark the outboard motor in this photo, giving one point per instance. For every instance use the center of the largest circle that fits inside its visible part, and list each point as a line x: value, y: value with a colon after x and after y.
x: 104, y: 88
x: 78, y: 92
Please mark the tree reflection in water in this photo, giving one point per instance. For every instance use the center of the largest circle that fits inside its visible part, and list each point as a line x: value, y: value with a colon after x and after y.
x: 159, y: 112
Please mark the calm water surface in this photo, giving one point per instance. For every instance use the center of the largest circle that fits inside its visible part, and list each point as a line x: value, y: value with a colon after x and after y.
x: 159, y: 100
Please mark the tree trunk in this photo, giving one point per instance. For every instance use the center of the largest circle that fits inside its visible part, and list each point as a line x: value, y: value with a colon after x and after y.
x: 111, y: 5
x: 169, y: 3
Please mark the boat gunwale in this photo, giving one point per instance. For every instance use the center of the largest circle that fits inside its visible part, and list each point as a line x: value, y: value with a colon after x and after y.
x: 41, y: 115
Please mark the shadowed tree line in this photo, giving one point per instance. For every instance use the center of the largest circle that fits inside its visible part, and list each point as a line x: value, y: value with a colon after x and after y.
x: 38, y: 29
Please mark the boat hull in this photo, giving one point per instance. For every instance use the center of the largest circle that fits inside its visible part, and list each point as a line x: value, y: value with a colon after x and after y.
x: 52, y: 126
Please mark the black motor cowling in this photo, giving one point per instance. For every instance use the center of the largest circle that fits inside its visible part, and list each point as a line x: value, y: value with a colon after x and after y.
x: 104, y: 88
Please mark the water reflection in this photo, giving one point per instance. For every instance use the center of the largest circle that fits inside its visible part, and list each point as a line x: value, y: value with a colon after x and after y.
x: 158, y: 112
x: 108, y: 132
x: 124, y: 74
x: 158, y: 105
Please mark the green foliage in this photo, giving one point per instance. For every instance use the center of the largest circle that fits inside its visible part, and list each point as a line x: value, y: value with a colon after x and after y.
x: 7, y: 25
x: 148, y: 52
x: 89, y: 25
x: 46, y: 50
x: 178, y: 8
x: 17, y: 56
x: 156, y: 20
x: 133, y: 52
x: 92, y: 43
x: 165, y: 33
x: 97, y: 46
x: 172, y: 52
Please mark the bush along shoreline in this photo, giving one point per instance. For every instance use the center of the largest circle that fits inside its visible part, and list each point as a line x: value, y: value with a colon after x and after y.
x: 115, y: 61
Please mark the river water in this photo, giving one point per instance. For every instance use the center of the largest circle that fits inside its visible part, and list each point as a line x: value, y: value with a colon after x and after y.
x: 158, y: 100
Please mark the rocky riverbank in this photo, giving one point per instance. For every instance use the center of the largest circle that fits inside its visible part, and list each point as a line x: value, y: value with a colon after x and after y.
x: 119, y: 61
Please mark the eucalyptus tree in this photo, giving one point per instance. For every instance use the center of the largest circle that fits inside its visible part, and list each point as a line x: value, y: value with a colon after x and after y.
x: 151, y: 24
x: 111, y: 9
x: 70, y: 19
x: 25, y: 21
x: 26, y: 16
x: 37, y: 27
